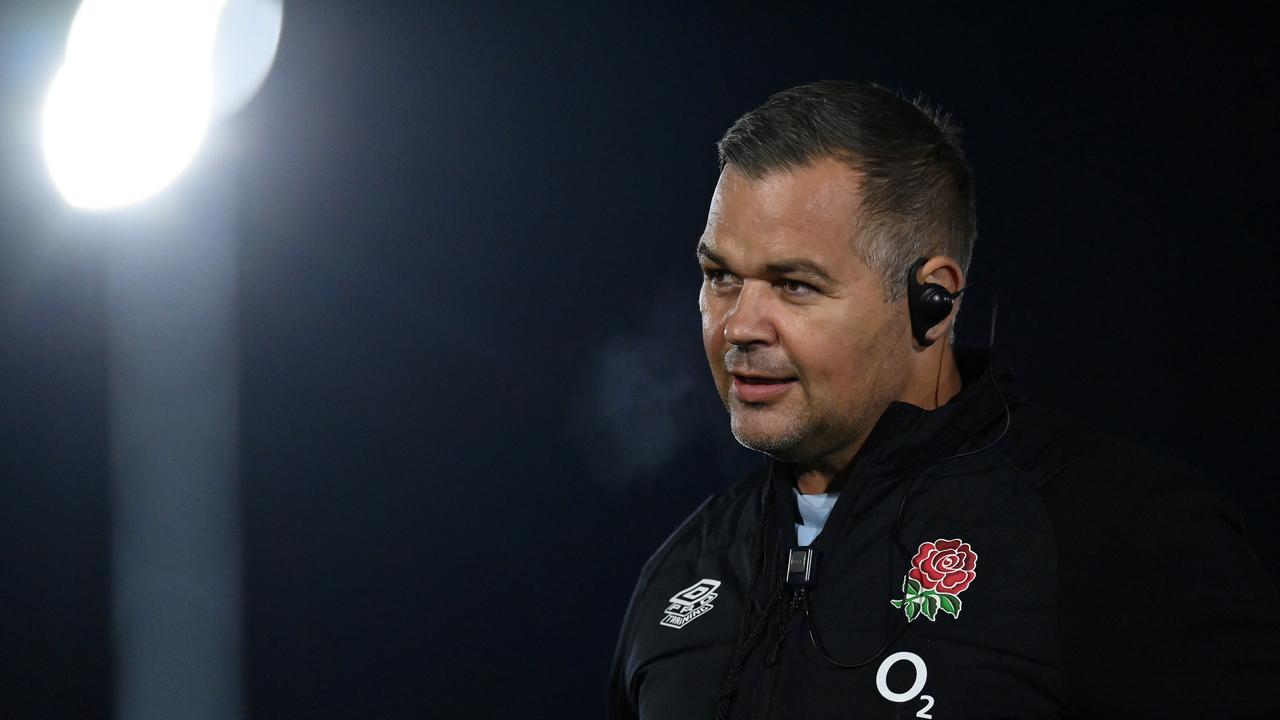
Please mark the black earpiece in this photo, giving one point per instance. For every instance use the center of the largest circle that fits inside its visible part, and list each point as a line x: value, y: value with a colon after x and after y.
x: 927, y: 303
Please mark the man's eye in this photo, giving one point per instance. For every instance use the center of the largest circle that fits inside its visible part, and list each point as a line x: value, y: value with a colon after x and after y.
x: 795, y: 287
x: 717, y: 277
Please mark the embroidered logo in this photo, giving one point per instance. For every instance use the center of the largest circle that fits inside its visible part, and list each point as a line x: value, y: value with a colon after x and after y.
x: 940, y: 571
x: 690, y: 603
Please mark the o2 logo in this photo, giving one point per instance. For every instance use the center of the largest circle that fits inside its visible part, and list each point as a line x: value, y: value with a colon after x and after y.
x: 921, y: 674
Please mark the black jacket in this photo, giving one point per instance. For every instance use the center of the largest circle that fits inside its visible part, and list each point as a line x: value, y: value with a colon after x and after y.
x: 1058, y: 573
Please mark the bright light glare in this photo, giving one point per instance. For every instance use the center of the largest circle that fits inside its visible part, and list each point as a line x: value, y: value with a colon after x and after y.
x: 248, y: 35
x: 128, y: 109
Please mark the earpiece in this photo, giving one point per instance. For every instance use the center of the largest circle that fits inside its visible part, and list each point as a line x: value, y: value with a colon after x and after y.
x: 927, y: 303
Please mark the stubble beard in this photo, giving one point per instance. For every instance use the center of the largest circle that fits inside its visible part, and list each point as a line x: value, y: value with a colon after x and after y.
x: 817, y: 432
x: 782, y: 445
x: 808, y: 437
x: 814, y: 432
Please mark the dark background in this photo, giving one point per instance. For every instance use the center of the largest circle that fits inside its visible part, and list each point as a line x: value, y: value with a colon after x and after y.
x: 472, y: 391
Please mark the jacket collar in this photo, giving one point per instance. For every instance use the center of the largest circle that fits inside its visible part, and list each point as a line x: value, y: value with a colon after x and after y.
x: 907, y: 437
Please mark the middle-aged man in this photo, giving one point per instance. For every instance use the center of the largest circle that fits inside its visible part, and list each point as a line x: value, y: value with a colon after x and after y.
x: 921, y: 542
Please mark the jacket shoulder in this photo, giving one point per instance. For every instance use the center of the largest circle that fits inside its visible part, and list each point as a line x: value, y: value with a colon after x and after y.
x: 1099, y: 481
x: 1164, y: 609
x: 713, y: 526
x: 719, y: 522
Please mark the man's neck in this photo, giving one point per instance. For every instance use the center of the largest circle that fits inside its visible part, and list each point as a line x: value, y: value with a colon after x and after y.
x: 818, y: 477
x: 815, y: 479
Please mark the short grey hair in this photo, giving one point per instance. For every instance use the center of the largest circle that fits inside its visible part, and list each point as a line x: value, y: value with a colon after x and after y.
x: 917, y: 188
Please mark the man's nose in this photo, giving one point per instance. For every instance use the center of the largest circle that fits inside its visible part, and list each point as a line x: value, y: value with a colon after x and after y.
x: 749, y: 321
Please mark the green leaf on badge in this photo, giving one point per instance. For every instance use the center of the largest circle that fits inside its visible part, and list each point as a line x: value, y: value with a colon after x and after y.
x: 913, y: 586
x: 896, y: 603
x: 930, y: 606
x: 950, y: 604
x: 913, y: 609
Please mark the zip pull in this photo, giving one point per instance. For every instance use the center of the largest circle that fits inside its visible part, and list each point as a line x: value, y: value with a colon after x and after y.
x: 800, y: 567
x: 799, y: 573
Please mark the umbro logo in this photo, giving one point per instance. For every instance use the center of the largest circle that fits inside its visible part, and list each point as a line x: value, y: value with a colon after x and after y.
x: 690, y: 603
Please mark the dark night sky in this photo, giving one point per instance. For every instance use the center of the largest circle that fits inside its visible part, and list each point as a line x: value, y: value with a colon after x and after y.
x: 473, y: 398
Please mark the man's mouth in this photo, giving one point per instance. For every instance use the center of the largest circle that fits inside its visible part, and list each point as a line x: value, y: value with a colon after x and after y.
x: 756, y: 388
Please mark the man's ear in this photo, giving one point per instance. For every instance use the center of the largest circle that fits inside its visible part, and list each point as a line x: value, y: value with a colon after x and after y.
x: 945, y: 271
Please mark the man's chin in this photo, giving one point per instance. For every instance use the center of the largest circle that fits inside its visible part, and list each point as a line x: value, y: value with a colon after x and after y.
x: 779, y: 444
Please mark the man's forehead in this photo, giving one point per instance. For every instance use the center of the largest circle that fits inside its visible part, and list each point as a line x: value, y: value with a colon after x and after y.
x: 818, y: 194
x: 807, y: 212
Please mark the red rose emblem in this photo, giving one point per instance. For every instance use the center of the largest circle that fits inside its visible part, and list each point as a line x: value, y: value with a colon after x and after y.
x: 944, y: 565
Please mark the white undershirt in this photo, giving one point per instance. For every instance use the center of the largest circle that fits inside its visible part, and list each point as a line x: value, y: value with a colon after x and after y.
x: 814, y: 510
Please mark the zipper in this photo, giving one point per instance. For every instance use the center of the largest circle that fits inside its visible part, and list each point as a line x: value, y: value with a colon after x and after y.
x: 779, y: 632
x: 773, y: 672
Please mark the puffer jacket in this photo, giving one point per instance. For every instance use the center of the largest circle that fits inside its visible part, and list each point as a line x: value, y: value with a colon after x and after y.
x: 986, y: 559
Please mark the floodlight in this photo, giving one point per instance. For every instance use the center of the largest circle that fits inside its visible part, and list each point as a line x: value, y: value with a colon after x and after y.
x: 128, y: 109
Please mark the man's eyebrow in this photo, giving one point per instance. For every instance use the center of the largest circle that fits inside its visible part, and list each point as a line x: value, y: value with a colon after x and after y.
x: 799, y: 265
x: 780, y: 267
x: 706, y: 253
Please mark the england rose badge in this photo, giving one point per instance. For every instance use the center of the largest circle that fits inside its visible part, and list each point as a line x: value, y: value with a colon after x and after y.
x: 940, y: 571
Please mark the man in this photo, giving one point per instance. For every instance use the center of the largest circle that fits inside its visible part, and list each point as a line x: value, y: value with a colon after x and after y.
x: 921, y: 542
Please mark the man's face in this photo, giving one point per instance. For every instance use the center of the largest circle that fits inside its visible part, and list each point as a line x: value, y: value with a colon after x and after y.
x: 805, y: 352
